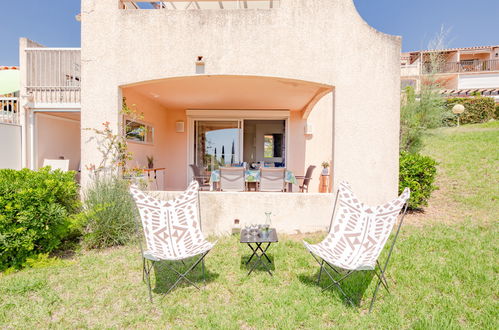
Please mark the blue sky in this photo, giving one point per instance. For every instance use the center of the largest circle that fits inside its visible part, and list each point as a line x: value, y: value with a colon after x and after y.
x: 472, y: 23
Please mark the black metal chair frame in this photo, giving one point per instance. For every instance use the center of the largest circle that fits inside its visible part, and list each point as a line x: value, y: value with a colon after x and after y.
x: 148, y: 264
x: 380, y: 272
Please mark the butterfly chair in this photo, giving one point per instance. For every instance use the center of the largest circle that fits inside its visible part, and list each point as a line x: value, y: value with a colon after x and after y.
x: 357, y: 235
x: 57, y: 164
x: 172, y: 231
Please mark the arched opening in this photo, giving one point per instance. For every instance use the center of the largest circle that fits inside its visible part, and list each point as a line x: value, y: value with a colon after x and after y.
x: 213, y: 121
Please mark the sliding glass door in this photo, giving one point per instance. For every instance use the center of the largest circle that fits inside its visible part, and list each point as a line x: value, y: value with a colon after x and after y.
x: 217, y: 143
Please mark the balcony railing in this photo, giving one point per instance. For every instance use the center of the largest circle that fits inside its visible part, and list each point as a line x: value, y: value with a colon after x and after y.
x: 200, y: 4
x: 54, y: 74
x: 9, y: 110
x: 463, y: 66
x: 409, y: 70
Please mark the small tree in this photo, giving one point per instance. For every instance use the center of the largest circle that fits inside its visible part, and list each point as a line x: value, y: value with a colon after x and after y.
x: 108, y: 210
x: 426, y: 109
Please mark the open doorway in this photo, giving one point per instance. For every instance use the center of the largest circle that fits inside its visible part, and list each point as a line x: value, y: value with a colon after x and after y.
x: 264, y: 142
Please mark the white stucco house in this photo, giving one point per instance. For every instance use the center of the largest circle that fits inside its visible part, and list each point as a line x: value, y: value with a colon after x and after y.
x: 298, y: 73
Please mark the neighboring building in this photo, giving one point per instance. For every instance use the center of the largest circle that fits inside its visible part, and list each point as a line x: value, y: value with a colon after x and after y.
x: 241, y: 74
x: 50, y: 104
x: 465, y: 71
x: 10, y: 115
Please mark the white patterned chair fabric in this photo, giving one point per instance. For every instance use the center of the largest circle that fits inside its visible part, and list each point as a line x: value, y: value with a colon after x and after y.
x: 358, y: 232
x: 172, y: 228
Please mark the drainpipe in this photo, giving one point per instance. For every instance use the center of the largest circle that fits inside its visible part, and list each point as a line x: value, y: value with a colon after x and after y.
x: 32, y: 139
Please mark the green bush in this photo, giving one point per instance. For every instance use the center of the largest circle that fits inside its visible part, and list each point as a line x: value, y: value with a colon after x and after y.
x: 418, y: 173
x: 477, y: 110
x: 35, y: 213
x: 108, y: 212
x: 496, y: 113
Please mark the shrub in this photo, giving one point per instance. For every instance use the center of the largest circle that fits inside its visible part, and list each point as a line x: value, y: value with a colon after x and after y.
x: 35, y: 213
x: 477, y: 110
x: 109, y: 213
x: 418, y: 173
x: 496, y: 113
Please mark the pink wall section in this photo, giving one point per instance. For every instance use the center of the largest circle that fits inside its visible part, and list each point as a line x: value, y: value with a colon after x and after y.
x: 177, y: 166
x: 56, y: 137
x: 169, y: 148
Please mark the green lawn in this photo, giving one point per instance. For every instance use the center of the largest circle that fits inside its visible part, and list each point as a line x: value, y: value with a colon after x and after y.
x: 441, y: 275
x: 469, y: 169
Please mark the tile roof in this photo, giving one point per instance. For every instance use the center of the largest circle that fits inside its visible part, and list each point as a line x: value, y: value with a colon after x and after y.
x: 453, y: 49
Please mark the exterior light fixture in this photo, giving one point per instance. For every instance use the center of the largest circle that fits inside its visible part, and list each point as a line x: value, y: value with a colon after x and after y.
x: 458, y: 109
x: 179, y: 126
x: 309, y: 129
x: 200, y: 65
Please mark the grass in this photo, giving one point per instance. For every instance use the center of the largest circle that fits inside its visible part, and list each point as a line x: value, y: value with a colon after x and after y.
x: 468, y: 169
x: 442, y: 275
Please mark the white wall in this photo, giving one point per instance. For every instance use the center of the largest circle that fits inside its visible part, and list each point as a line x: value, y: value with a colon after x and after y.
x: 320, y: 41
x: 478, y: 81
x: 291, y: 212
x: 56, y: 137
x: 10, y: 146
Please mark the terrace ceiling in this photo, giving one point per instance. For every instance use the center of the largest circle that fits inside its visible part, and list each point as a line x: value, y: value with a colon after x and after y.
x: 234, y: 92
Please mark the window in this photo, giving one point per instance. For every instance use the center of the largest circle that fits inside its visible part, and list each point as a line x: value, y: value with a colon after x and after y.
x: 217, y: 143
x: 138, y: 132
x: 268, y: 146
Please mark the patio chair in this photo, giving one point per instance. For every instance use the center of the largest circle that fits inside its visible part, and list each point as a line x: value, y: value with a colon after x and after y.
x: 306, y: 179
x: 272, y: 179
x: 232, y: 179
x: 357, y: 235
x: 202, y: 179
x: 57, y: 164
x: 172, y: 231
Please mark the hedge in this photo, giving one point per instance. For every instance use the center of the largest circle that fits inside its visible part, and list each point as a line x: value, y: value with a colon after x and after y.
x: 417, y: 172
x: 477, y: 110
x: 35, y: 210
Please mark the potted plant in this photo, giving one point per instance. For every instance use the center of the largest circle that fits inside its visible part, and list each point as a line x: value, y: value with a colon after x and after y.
x: 325, y: 168
x: 150, y: 161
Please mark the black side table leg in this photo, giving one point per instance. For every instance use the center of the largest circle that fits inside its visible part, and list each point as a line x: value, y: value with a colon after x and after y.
x: 264, y: 251
x: 259, y: 258
x: 254, y: 252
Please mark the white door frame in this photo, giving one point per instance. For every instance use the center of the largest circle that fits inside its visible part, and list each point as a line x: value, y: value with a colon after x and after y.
x: 232, y: 115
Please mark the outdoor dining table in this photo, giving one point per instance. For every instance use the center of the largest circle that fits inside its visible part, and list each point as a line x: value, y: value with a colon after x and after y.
x: 254, y: 176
